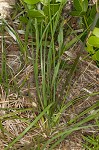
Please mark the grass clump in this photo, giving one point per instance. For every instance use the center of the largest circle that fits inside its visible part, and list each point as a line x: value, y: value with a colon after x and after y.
x: 42, y: 68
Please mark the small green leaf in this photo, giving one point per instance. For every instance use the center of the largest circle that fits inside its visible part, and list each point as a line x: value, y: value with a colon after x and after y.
x: 23, y: 19
x: 94, y: 57
x: 36, y: 13
x: 85, y: 5
x: 53, y: 9
x: 44, y: 2
x: 78, y: 5
x: 96, y: 32
x: 91, y: 14
x: 31, y: 1
x: 97, y: 55
x: 90, y: 49
x: 94, y: 41
x: 30, y: 6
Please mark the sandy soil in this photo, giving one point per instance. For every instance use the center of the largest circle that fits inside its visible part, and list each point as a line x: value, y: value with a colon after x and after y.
x: 5, y: 7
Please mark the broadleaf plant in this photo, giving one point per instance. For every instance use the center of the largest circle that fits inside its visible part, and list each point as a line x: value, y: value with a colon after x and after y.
x: 89, y: 18
x: 93, y: 44
x: 39, y: 9
x: 80, y: 7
